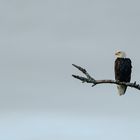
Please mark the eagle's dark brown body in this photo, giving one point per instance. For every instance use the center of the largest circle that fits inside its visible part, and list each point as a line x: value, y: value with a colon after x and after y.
x: 123, y: 70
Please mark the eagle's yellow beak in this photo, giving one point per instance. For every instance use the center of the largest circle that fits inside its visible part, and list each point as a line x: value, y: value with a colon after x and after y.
x: 116, y: 53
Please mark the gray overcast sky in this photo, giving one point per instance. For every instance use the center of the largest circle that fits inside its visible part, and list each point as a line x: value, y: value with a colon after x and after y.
x: 39, y: 41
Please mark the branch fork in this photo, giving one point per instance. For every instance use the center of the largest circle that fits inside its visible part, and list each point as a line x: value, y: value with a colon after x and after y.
x: 90, y: 79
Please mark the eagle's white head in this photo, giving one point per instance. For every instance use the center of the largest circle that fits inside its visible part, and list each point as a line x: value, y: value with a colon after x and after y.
x: 120, y: 54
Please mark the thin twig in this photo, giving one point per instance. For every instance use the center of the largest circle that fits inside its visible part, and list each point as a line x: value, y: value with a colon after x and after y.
x: 90, y: 79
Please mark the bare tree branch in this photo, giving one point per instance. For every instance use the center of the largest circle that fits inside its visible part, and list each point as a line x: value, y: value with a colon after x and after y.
x: 89, y: 79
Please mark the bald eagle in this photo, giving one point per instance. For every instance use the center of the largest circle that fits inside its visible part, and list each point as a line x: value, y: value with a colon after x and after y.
x: 122, y: 70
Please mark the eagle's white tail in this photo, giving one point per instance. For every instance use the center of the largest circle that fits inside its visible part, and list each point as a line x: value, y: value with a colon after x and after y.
x: 121, y: 89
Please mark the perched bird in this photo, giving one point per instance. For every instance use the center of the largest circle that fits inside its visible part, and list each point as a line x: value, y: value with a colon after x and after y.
x: 123, y: 69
